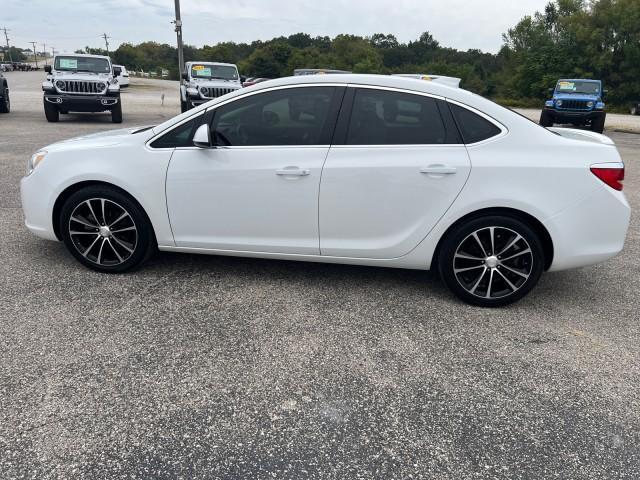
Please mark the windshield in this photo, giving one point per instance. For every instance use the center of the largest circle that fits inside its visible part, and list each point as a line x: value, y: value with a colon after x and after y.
x: 587, y: 88
x: 83, y: 64
x: 224, y: 72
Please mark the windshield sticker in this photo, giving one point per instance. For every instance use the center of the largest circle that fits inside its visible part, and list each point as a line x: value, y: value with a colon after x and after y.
x: 567, y: 86
x: 69, y: 63
x: 202, y: 71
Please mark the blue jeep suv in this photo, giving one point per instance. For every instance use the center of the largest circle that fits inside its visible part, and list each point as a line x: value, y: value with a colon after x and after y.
x: 578, y: 102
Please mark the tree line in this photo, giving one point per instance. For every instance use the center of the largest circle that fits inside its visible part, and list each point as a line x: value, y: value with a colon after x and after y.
x: 570, y: 38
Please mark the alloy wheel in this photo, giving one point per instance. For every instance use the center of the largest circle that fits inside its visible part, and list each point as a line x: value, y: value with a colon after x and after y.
x: 103, y: 232
x: 493, y: 262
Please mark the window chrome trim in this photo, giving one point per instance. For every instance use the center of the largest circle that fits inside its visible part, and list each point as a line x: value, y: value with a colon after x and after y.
x: 230, y: 100
x: 503, y: 129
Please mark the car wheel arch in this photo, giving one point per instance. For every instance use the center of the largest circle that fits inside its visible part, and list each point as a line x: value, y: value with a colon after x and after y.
x: 535, y: 224
x: 71, y: 189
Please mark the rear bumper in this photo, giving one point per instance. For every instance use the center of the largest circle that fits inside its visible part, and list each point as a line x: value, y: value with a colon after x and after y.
x: 82, y: 103
x: 590, y: 231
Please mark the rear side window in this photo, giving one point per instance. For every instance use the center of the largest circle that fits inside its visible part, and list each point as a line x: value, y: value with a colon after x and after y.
x: 178, y: 137
x: 472, y: 126
x: 381, y: 117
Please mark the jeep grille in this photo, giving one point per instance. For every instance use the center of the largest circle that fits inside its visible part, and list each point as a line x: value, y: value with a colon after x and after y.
x: 574, y: 105
x: 81, y: 86
x: 215, y: 92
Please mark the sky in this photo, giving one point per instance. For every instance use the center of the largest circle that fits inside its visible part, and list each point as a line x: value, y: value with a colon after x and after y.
x: 72, y: 24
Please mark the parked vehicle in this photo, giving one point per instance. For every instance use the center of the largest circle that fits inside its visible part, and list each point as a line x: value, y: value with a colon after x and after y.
x: 203, y: 81
x: 384, y: 171
x: 5, y: 102
x: 253, y: 80
x: 123, y: 78
x: 451, y: 81
x: 81, y: 83
x: 578, y: 102
x: 316, y: 71
x: 634, y: 109
x: 6, y: 67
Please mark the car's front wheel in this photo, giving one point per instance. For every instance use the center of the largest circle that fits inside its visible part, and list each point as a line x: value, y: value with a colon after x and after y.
x: 5, y: 102
x: 51, y: 112
x: 106, y: 230
x: 546, y: 120
x: 116, y: 113
x: 491, y: 261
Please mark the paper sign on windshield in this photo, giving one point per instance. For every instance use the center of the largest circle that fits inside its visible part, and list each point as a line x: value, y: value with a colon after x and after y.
x: 69, y: 63
x: 566, y: 86
x: 202, y: 71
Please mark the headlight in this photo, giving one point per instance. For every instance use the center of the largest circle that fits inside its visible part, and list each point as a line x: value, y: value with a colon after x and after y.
x: 35, y: 160
x: 60, y: 84
x: 559, y: 103
x: 589, y: 104
x: 192, y: 91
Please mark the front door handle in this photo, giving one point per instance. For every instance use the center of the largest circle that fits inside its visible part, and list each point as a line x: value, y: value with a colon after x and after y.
x: 293, y: 172
x: 438, y: 170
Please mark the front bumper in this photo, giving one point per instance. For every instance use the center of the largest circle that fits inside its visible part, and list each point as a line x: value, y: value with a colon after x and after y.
x: 82, y: 103
x: 37, y: 206
x: 570, y: 116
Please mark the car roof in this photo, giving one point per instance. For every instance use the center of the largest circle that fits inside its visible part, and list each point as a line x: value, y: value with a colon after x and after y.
x: 81, y: 55
x: 213, y: 63
x: 591, y: 80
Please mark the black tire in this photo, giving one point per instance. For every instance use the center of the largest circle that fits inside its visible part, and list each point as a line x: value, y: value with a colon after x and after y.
x: 469, y: 279
x: 119, y: 247
x: 184, y: 106
x: 51, y: 112
x: 546, y: 120
x: 5, y: 102
x: 597, y: 124
x: 116, y: 112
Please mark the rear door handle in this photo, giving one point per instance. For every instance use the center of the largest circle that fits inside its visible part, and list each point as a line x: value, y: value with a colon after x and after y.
x: 293, y: 172
x: 438, y: 170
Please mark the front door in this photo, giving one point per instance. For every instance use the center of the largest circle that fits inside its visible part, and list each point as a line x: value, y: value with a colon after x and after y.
x: 257, y: 190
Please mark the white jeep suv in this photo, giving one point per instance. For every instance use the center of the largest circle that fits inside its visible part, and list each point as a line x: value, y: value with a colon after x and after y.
x: 204, y: 81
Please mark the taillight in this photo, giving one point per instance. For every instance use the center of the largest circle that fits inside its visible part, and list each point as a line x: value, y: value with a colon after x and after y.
x: 611, y: 174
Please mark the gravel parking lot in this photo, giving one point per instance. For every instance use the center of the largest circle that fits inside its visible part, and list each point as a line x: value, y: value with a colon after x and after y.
x: 214, y: 367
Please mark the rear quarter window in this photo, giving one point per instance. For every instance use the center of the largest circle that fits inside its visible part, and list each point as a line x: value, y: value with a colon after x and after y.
x: 472, y: 126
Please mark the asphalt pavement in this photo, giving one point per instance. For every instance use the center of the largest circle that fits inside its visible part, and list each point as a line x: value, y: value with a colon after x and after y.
x: 230, y: 368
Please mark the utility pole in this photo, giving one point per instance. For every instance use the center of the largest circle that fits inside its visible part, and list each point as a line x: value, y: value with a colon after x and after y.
x: 53, y: 53
x: 178, y: 23
x: 8, y: 47
x: 35, y: 53
x: 106, y: 42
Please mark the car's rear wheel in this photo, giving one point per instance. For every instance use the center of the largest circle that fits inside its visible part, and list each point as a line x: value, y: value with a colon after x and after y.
x: 491, y: 261
x: 5, y: 104
x: 51, y: 112
x: 106, y: 230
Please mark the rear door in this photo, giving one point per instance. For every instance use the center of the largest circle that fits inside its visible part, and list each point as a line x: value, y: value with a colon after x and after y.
x: 396, y: 166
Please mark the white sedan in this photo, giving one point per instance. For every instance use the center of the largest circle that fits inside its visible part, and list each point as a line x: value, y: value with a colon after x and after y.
x: 123, y: 78
x: 358, y: 169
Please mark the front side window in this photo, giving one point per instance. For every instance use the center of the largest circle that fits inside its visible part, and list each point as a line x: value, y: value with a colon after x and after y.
x: 381, y: 117
x: 82, y: 64
x: 179, y: 136
x: 472, y: 126
x: 296, y: 116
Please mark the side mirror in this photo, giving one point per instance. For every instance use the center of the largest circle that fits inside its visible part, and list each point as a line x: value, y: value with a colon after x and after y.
x: 117, y: 71
x: 243, y: 79
x: 202, y: 137
x: 185, y: 76
x: 47, y: 68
